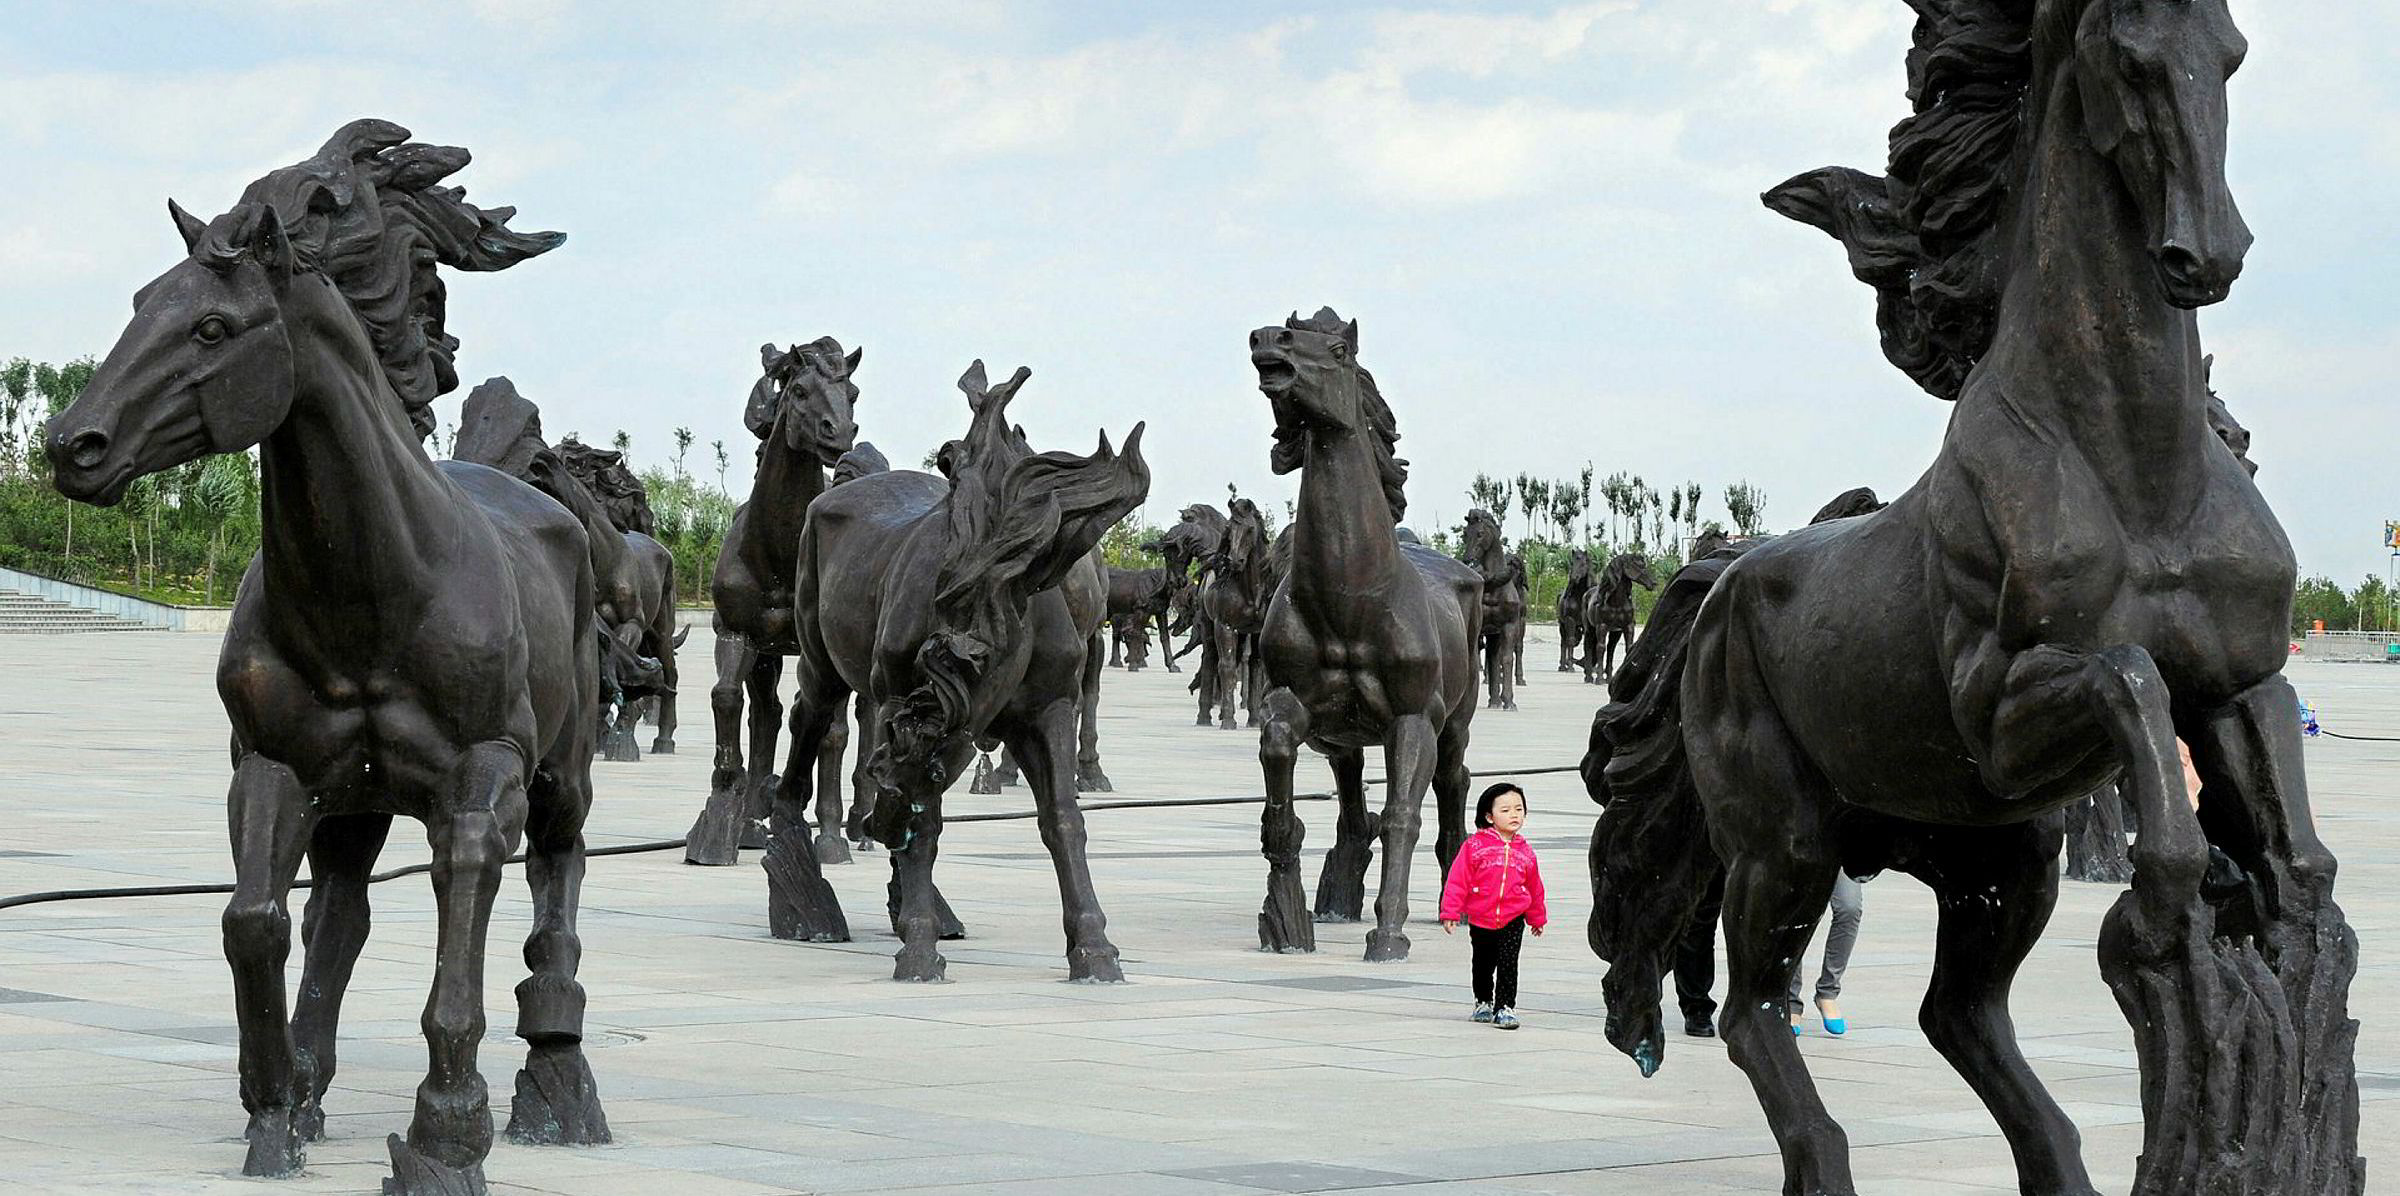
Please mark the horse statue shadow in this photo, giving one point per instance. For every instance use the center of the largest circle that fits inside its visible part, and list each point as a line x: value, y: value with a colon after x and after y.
x: 959, y: 609
x: 414, y: 638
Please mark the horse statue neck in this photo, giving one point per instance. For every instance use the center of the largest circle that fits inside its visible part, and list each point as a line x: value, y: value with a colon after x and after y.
x: 786, y: 482
x: 351, y: 507
x: 1342, y: 528
x: 2125, y: 390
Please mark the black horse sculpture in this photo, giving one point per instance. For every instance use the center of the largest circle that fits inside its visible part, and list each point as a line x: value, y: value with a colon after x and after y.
x: 1608, y: 612
x: 2085, y: 575
x: 649, y: 592
x: 1136, y: 599
x: 958, y: 610
x: 1367, y: 642
x: 413, y: 638
x: 1483, y: 550
x: 1570, y: 608
x: 1233, y: 601
x: 800, y: 410
x: 633, y: 576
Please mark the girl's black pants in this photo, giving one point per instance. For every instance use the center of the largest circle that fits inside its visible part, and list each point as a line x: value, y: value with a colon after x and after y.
x: 1496, y: 961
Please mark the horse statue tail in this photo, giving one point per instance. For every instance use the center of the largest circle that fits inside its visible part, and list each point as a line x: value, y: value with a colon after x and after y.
x: 1651, y: 861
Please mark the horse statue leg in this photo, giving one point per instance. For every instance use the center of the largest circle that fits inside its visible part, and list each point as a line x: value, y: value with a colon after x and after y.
x: 1283, y: 922
x: 831, y: 847
x: 716, y: 836
x: 1342, y: 886
x: 1088, y: 776
x: 1568, y: 632
x: 1231, y: 669
x: 800, y: 905
x: 557, y: 1101
x: 270, y: 820
x: 1409, y: 755
x: 1166, y: 641
x: 861, y: 800
x: 473, y: 830
x: 341, y: 855
x: 1045, y: 748
x: 766, y: 717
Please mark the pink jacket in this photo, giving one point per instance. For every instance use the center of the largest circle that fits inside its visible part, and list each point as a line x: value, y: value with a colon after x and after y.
x: 1492, y: 881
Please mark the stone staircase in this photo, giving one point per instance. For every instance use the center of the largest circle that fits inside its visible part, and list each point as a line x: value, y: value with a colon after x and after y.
x: 26, y: 614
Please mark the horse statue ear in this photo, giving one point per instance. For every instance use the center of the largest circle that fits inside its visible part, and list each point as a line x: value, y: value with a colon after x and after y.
x: 974, y: 384
x: 192, y: 227
x: 269, y: 246
x: 768, y: 355
x: 1350, y: 336
x: 1008, y: 390
x: 851, y: 362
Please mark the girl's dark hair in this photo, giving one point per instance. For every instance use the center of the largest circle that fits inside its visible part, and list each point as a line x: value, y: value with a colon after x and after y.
x: 1483, y: 805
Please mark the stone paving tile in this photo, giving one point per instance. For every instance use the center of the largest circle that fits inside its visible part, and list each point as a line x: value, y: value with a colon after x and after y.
x: 733, y: 1063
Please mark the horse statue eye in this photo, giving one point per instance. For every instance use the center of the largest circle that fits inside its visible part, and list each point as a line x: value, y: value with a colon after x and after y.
x: 210, y: 330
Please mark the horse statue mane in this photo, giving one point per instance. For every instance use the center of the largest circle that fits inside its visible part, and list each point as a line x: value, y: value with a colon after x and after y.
x: 368, y: 213
x: 1291, y: 440
x: 1926, y: 236
x: 613, y: 482
x: 1015, y: 519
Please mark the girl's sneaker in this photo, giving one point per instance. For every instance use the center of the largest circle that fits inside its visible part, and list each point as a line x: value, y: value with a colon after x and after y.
x: 1504, y: 1019
x: 1483, y: 1011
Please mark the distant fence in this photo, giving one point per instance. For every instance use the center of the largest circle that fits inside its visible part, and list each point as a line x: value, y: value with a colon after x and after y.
x: 123, y: 606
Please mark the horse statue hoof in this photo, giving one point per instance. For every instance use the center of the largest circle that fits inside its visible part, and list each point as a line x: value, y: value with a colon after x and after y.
x: 832, y: 848
x: 558, y: 1102
x: 620, y: 747
x: 415, y: 1174
x: 920, y: 965
x: 1094, y: 965
x: 662, y: 746
x: 1386, y: 946
x: 1092, y: 780
x: 275, y: 1150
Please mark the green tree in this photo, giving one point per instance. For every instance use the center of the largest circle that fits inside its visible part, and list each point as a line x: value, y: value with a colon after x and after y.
x: 2318, y: 598
x: 1748, y: 506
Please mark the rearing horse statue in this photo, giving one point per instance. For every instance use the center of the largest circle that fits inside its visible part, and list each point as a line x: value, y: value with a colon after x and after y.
x: 1570, y: 607
x: 801, y: 411
x: 1367, y: 642
x: 2084, y: 576
x: 414, y: 638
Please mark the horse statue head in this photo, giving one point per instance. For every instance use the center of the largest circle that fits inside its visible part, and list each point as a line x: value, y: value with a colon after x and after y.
x: 1481, y: 546
x: 1627, y: 570
x: 859, y: 462
x: 1579, y: 568
x: 807, y: 392
x: 2221, y: 421
x: 348, y: 239
x: 499, y: 427
x: 1199, y: 529
x: 1309, y: 371
x: 1243, y: 548
x: 2145, y: 82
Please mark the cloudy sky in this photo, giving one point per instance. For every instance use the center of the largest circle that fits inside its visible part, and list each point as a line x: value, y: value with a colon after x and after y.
x: 1544, y: 217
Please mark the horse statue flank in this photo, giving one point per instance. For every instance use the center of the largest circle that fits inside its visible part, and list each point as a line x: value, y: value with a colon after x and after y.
x: 1570, y: 608
x: 633, y: 576
x: 959, y: 610
x: 2085, y: 575
x: 1608, y: 612
x: 801, y: 411
x: 1485, y: 551
x: 1368, y: 642
x: 1233, y: 598
x: 412, y: 639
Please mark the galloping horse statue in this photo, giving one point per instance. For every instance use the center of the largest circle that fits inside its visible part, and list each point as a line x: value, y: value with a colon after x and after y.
x: 1608, y: 612
x: 1484, y: 550
x: 1570, y: 608
x: 2084, y: 576
x: 633, y: 576
x: 958, y: 610
x: 414, y: 638
x: 1368, y: 642
x: 1233, y: 598
x: 800, y: 410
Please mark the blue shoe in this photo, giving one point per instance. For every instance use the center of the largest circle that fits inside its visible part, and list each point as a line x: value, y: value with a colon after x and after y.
x: 1835, y: 1023
x: 1504, y: 1019
x: 1483, y: 1012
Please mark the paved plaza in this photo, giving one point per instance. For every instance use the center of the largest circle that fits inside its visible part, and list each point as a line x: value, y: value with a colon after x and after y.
x: 733, y: 1063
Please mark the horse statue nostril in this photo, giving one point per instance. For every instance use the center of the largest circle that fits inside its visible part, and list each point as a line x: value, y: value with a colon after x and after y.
x: 2179, y: 264
x: 88, y: 448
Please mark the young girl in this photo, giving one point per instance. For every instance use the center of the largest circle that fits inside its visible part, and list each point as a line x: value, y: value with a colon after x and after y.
x: 1495, y: 885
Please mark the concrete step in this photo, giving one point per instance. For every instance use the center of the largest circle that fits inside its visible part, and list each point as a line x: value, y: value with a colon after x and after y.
x: 29, y: 614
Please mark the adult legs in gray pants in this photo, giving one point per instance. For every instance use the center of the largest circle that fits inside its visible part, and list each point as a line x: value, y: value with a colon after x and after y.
x: 1848, y: 906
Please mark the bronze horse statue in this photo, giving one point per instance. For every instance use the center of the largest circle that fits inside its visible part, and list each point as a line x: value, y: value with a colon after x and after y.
x: 801, y: 411
x: 414, y: 638
x: 1198, y: 530
x: 1233, y: 601
x: 959, y: 608
x: 1136, y: 599
x: 633, y: 576
x: 1484, y: 550
x: 1368, y: 642
x: 1608, y: 612
x: 1570, y: 608
x: 649, y: 593
x: 2085, y: 575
